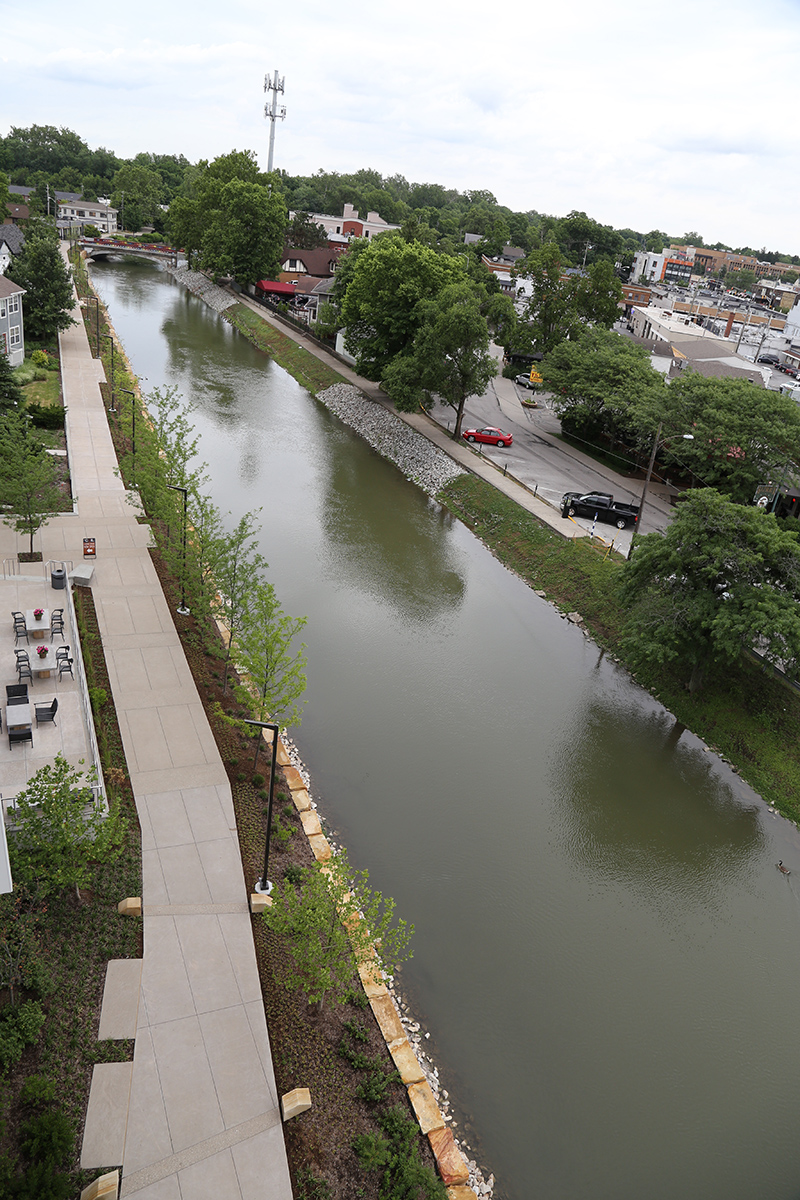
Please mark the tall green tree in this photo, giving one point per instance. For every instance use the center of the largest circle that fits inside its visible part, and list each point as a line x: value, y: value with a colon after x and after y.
x: 603, y: 384
x: 742, y: 435
x: 450, y: 357
x: 138, y: 191
x: 29, y: 493
x: 239, y: 570
x: 560, y: 304
x: 304, y: 233
x: 244, y: 237
x: 723, y: 577
x: 265, y: 651
x: 41, y: 270
x: 381, y: 309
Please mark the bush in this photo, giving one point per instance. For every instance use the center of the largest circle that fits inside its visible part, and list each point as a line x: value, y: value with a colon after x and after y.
x: 48, y: 1138
x: 38, y: 1090
x: 46, y: 418
x: 42, y: 1182
x: 19, y: 1027
x: 40, y: 358
x: 25, y: 374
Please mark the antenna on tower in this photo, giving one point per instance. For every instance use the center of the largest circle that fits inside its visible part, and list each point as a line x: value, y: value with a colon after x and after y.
x: 273, y: 112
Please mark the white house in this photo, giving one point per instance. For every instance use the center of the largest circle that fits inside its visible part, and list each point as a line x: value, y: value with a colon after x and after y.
x: 74, y: 211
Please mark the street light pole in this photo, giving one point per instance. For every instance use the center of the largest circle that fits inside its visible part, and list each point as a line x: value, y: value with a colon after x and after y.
x: 264, y: 887
x: 688, y: 437
x: 132, y: 395
x: 111, y: 407
x: 182, y: 609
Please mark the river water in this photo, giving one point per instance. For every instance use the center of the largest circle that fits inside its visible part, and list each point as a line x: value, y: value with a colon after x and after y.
x: 605, y: 955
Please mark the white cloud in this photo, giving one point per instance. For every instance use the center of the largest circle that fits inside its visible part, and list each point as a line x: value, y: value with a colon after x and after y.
x: 674, y: 117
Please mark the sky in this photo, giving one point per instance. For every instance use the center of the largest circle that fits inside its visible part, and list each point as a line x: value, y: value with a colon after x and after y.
x: 672, y: 116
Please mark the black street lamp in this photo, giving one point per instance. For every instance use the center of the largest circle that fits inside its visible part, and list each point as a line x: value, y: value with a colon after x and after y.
x: 132, y: 395
x: 110, y: 339
x: 264, y: 887
x: 182, y: 609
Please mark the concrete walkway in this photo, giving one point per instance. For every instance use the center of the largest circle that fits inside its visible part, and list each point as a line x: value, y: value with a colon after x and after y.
x: 196, y: 1116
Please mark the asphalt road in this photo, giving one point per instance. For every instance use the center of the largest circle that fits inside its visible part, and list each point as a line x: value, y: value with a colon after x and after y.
x: 540, y: 460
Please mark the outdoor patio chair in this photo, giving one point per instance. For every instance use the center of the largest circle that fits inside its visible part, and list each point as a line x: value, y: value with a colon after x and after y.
x: 24, y: 672
x: 57, y: 612
x: 64, y: 664
x: 18, y: 616
x: 16, y: 693
x: 20, y: 631
x: 19, y: 735
x: 47, y: 712
x: 57, y: 626
x: 62, y: 652
x: 22, y: 656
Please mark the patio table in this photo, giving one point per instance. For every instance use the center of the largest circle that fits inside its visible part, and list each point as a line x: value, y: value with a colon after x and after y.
x: 38, y: 628
x: 18, y: 716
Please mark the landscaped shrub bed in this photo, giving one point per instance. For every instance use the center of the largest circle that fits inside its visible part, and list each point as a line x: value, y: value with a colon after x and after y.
x: 67, y: 943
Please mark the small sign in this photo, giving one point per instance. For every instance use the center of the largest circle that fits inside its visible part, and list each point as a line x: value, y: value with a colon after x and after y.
x: 536, y: 377
x: 89, y: 548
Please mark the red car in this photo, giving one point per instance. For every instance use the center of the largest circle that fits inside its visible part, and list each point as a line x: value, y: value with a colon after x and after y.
x: 490, y: 435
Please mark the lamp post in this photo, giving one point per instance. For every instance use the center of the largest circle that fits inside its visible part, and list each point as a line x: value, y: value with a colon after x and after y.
x: 264, y: 887
x: 97, y: 321
x: 132, y: 395
x: 109, y: 338
x: 182, y: 609
x: 688, y: 437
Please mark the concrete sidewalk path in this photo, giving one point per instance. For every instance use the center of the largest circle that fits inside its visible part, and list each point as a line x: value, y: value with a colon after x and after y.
x: 197, y: 1116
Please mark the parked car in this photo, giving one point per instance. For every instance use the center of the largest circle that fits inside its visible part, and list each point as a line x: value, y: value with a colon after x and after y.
x: 788, y: 369
x: 489, y: 435
x: 525, y: 381
x: 771, y: 360
x: 601, y: 505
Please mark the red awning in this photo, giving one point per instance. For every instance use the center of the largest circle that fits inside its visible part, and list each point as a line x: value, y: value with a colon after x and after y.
x: 277, y: 289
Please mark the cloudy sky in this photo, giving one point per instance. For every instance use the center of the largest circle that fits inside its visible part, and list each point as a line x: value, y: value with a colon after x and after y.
x: 676, y: 116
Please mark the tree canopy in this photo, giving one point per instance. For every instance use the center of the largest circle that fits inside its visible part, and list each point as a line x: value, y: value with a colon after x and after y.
x: 389, y: 281
x: 742, y: 435
x: 723, y: 577
x: 559, y: 304
x: 41, y: 270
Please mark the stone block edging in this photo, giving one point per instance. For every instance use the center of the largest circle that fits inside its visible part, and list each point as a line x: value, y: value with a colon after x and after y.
x: 449, y: 1160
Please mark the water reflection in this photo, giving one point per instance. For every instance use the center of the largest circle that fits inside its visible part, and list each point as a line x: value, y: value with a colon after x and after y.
x: 410, y: 563
x: 641, y: 809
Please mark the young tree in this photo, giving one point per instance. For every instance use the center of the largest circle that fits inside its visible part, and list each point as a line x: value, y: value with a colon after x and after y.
x: 561, y: 303
x: 304, y: 233
x: 40, y: 269
x: 239, y: 570
x: 29, y: 493
x: 722, y: 577
x: 60, y: 832
x: 264, y: 651
x: 334, y: 924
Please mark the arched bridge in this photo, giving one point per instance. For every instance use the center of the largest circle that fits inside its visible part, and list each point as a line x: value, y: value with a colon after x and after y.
x: 102, y: 247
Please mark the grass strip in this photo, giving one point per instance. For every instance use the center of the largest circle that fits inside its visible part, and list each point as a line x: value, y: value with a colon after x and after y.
x: 743, y: 712
x: 305, y: 367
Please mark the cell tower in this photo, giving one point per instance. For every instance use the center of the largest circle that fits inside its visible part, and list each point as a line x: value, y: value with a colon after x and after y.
x: 272, y: 111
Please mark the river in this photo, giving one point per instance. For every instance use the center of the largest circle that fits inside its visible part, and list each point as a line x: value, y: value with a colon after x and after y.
x: 605, y: 955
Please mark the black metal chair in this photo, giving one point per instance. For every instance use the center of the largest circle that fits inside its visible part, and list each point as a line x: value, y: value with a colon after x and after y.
x: 15, y: 736
x: 20, y: 631
x: 57, y: 612
x: 24, y: 672
x: 47, y: 712
x: 16, y: 693
x: 64, y: 665
x: 18, y: 616
x: 57, y: 627
x: 62, y: 652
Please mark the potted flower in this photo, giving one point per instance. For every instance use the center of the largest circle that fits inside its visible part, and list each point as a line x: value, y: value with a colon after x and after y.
x: 42, y: 651
x: 38, y: 613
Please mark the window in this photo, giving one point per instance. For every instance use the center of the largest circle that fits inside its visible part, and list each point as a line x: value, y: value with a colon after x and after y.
x: 2, y: 308
x: 14, y: 335
x: 13, y: 304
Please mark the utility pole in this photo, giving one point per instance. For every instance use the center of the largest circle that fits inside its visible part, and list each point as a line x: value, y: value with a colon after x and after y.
x: 272, y: 112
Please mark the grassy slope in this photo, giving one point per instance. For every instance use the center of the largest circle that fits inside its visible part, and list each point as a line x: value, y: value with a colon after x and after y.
x: 750, y: 717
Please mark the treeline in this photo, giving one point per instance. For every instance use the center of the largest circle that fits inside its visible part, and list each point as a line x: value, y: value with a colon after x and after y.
x: 429, y: 212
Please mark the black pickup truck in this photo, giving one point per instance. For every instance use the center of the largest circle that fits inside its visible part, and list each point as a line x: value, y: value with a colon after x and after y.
x: 601, y: 505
